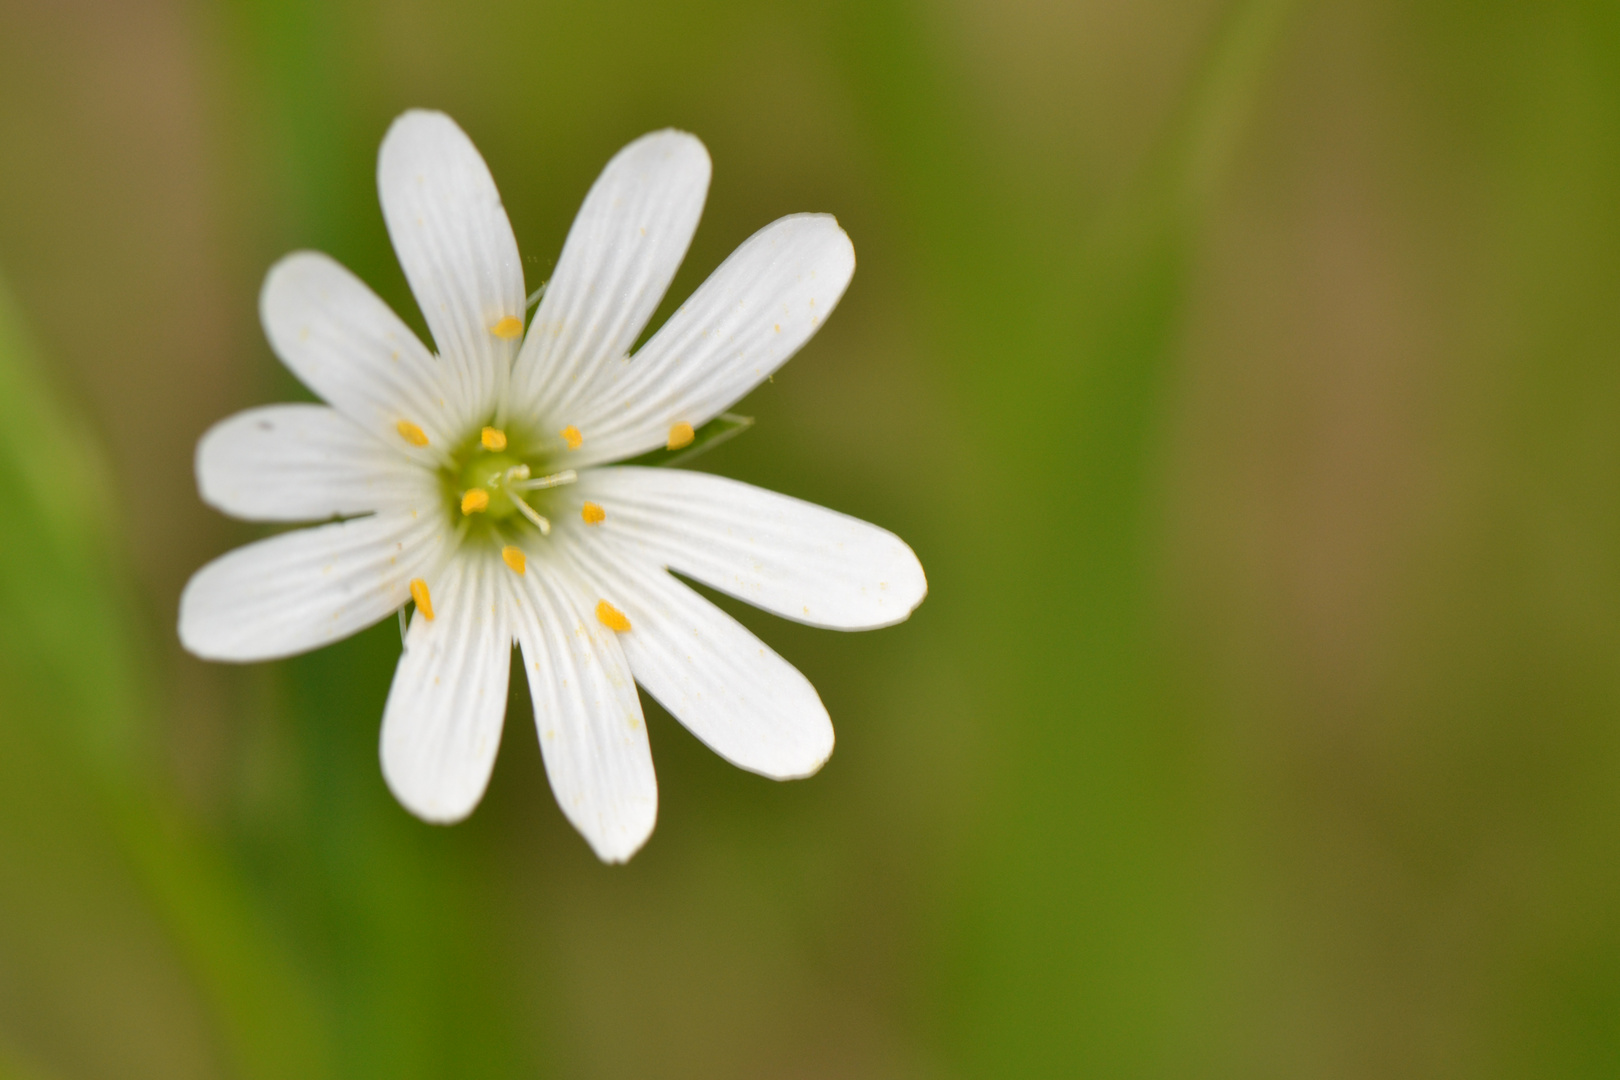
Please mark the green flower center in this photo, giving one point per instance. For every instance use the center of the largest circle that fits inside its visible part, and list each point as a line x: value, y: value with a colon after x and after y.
x: 495, y: 483
x: 489, y: 472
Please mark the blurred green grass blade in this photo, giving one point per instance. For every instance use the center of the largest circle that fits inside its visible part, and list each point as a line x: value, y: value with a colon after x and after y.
x: 74, y: 706
x: 63, y: 610
x: 263, y: 1000
x: 1076, y: 940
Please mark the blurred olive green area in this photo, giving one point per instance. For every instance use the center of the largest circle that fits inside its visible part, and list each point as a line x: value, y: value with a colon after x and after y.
x: 1245, y: 375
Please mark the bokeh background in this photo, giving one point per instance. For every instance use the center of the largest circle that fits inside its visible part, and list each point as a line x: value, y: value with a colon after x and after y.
x: 1244, y: 373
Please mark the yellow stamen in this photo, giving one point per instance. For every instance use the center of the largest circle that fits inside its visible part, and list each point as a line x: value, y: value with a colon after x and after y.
x: 572, y: 437
x: 514, y: 558
x: 593, y: 514
x: 680, y: 434
x: 508, y: 328
x: 411, y: 433
x: 424, y: 600
x: 493, y: 439
x: 611, y: 617
x: 475, y: 500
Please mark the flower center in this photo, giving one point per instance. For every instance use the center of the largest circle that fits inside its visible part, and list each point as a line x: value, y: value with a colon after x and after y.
x: 490, y: 473
x: 493, y: 485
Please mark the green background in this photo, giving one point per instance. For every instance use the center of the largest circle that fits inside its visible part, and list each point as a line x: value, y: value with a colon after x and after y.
x: 1244, y: 375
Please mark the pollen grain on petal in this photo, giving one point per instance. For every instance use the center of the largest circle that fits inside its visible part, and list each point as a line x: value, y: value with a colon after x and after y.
x: 423, y: 598
x: 411, y: 433
x: 611, y: 617
x: 508, y: 328
x: 572, y: 437
x: 514, y: 558
x: 493, y: 439
x: 474, y: 501
x: 680, y: 434
x: 592, y: 514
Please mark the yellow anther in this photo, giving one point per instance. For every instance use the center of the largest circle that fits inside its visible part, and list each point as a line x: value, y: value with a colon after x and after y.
x: 493, y: 438
x: 572, y: 437
x: 611, y: 617
x: 411, y: 433
x: 514, y: 558
x: 680, y: 434
x: 475, y: 500
x: 593, y: 514
x: 424, y: 600
x: 508, y: 328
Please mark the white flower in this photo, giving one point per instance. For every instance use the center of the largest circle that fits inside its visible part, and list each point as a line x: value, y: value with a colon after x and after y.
x: 472, y: 481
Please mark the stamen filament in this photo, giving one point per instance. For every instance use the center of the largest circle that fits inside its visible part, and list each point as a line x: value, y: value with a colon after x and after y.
x: 556, y: 479
x: 529, y: 512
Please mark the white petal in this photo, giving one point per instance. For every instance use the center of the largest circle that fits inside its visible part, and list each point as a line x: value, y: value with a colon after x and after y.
x: 442, y: 724
x: 743, y: 323
x: 304, y: 589
x: 624, y: 248
x: 798, y: 560
x: 346, y: 345
x: 592, y: 734
x: 456, y: 246
x: 725, y: 685
x: 304, y: 463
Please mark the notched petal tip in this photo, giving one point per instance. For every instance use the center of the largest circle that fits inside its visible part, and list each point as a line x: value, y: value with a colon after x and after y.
x: 665, y: 145
x: 620, y: 847
x: 286, y: 278
x: 204, y: 463
x: 904, y: 583
x: 839, y: 256
x: 919, y: 589
x: 822, y: 228
x: 795, y: 755
x: 413, y: 125
x: 208, y: 628
x: 425, y: 812
x: 291, y: 263
x: 193, y: 636
x: 803, y: 762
